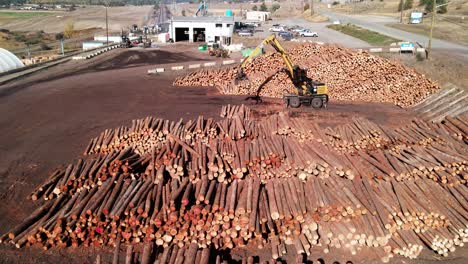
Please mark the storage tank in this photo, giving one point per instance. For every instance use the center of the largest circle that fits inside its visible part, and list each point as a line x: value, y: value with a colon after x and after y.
x: 229, y: 13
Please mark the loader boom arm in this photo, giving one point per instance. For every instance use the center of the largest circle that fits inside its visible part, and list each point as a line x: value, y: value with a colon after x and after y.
x: 273, y: 41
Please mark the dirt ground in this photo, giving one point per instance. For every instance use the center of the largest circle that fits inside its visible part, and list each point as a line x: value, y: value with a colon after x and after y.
x: 446, y: 28
x: 47, y: 120
x: 121, y: 17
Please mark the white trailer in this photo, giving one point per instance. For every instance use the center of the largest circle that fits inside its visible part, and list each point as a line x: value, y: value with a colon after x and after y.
x: 258, y: 16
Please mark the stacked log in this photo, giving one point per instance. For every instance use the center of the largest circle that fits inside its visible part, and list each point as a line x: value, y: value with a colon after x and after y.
x: 181, y: 188
x: 455, y: 126
x: 350, y: 75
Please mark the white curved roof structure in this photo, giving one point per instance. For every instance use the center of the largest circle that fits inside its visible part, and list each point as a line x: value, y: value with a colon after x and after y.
x: 8, y: 61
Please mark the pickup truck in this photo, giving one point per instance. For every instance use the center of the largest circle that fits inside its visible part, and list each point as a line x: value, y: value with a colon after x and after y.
x: 307, y: 33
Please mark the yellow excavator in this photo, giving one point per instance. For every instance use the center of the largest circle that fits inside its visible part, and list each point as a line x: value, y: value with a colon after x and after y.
x: 309, y: 92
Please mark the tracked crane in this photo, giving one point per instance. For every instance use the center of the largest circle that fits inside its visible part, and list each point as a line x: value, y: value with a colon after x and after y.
x: 309, y: 92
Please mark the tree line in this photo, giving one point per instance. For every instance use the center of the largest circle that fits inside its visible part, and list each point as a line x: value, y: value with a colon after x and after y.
x: 428, y: 5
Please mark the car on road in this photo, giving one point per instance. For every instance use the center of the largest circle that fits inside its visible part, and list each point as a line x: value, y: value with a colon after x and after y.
x: 307, y: 33
x: 252, y: 24
x: 297, y: 30
x: 336, y: 22
x: 245, y: 33
x: 277, y: 28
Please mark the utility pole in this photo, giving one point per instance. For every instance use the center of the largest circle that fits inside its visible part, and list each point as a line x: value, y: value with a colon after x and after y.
x: 62, y: 47
x: 434, y: 8
x: 429, y: 45
x: 311, y: 7
x: 107, y: 27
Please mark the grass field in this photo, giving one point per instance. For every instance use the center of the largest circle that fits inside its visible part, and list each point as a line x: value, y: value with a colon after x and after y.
x: 28, y: 14
x: 368, y: 36
x: 12, y: 16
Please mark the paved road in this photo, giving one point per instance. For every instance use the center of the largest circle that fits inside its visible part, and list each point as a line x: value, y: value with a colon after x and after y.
x: 324, y: 34
x: 377, y: 23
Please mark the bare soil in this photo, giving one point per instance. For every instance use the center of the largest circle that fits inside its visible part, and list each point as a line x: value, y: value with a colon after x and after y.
x: 448, y: 28
x: 443, y: 67
x: 48, y: 118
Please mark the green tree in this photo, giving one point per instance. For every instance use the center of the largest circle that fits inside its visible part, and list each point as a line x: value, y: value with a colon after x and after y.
x: 408, y: 4
x: 306, y: 6
x: 428, y: 6
x: 263, y: 6
x: 254, y: 8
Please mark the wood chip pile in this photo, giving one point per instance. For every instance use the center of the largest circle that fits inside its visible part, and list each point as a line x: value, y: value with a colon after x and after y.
x: 349, y: 74
x: 247, y: 183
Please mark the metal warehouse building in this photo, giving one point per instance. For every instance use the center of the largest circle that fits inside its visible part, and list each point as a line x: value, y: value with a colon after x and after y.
x: 195, y: 29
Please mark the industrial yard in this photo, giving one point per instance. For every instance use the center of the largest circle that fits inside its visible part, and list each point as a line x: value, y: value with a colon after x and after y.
x: 303, y: 150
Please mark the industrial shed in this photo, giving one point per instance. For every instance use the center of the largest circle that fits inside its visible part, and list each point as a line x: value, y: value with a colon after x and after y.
x: 8, y: 61
x: 258, y: 16
x: 202, y: 29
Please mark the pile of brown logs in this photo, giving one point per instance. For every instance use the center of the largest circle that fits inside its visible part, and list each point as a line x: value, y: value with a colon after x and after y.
x: 245, y: 183
x: 349, y: 74
x: 456, y: 126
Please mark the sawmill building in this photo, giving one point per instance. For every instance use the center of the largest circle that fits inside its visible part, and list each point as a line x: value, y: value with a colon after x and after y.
x: 202, y: 29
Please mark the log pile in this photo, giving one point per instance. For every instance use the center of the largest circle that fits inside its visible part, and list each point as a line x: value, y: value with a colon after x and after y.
x: 248, y: 183
x: 350, y: 75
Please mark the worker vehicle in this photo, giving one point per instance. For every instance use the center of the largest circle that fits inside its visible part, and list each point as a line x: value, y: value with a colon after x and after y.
x: 307, y: 33
x: 309, y: 92
x: 126, y: 43
x: 245, y: 33
x: 297, y: 30
x: 286, y: 35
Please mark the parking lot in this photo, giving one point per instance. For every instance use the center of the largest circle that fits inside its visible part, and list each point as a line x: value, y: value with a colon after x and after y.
x: 325, y: 34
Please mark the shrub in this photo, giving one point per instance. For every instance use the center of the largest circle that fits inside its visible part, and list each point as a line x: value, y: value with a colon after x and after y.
x: 335, y: 3
x: 275, y: 7
x: 45, y: 47
x: 59, y: 36
x: 263, y: 7
x: 419, y: 56
x: 408, y: 4
x: 69, y: 29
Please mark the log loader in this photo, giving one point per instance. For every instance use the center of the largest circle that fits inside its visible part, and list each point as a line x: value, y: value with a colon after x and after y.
x: 309, y: 92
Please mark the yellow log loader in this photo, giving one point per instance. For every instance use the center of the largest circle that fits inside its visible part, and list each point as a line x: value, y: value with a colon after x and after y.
x: 309, y: 92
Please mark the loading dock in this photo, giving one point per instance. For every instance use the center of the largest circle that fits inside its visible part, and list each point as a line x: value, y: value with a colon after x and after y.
x: 181, y: 34
x: 199, y: 34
